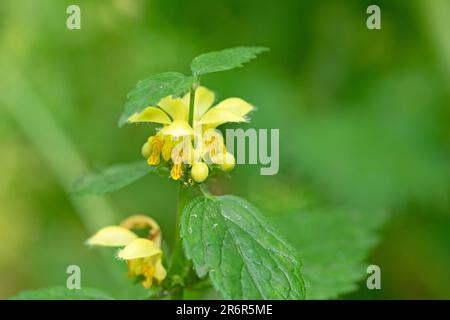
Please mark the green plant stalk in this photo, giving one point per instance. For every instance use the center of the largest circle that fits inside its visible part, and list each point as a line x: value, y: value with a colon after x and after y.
x: 192, y: 101
x: 182, y: 192
x: 177, y: 292
x: 182, y: 199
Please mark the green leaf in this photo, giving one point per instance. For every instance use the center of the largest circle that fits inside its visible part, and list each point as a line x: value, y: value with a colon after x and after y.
x: 334, y: 246
x: 150, y: 91
x: 62, y: 293
x: 111, y: 179
x: 246, y: 259
x: 224, y: 60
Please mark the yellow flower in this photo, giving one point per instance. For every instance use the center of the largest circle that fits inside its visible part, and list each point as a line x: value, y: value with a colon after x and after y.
x: 143, y: 255
x: 144, y: 259
x: 173, y: 114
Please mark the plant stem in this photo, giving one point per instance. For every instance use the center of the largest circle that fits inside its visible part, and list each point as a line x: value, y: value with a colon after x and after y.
x: 177, y: 291
x: 206, y: 193
x: 182, y: 197
x: 177, y: 252
x: 192, y: 101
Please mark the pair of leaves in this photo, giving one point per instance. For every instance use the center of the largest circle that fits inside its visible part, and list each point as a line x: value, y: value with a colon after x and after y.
x: 62, y: 293
x: 227, y: 238
x: 150, y: 91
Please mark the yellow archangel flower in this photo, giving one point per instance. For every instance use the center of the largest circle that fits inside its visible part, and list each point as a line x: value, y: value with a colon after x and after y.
x: 200, y: 142
x: 143, y: 255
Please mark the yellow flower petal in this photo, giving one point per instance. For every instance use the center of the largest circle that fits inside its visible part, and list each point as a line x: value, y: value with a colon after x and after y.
x: 204, y: 99
x: 160, y: 272
x: 176, y: 108
x: 156, y: 144
x: 215, y: 118
x: 177, y: 128
x: 167, y: 148
x: 229, y: 110
x: 150, y: 268
x: 146, y: 150
x: 139, y: 248
x: 135, y: 267
x: 176, y: 172
x: 112, y: 236
x: 150, y: 114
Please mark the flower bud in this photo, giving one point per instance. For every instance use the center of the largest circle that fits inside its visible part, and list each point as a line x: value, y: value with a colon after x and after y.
x: 228, y: 162
x: 199, y: 172
x: 146, y: 150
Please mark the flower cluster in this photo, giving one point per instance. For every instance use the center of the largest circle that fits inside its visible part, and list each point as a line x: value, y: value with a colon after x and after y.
x: 191, y: 149
x: 143, y: 255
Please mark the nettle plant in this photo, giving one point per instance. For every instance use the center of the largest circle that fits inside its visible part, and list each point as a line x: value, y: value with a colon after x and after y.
x: 219, y: 239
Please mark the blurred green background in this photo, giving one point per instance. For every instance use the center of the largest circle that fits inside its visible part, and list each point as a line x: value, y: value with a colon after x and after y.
x: 363, y: 118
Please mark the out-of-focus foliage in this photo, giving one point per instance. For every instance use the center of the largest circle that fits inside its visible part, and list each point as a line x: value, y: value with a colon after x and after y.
x: 334, y: 246
x: 363, y: 118
x: 111, y: 179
